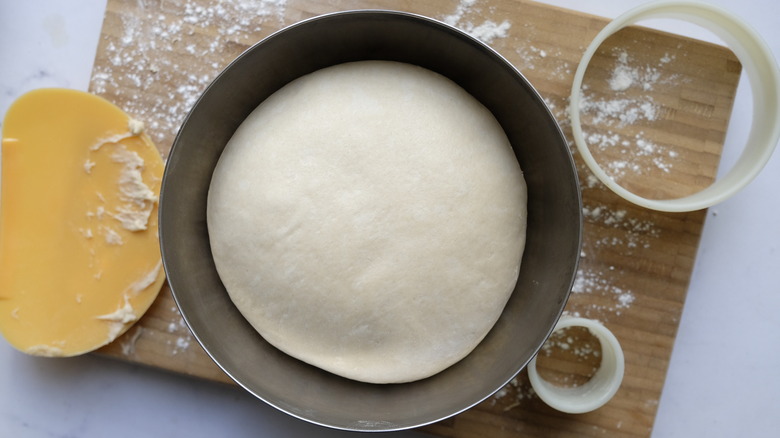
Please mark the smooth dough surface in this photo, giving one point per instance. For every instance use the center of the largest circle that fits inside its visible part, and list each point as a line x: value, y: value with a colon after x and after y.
x: 369, y: 219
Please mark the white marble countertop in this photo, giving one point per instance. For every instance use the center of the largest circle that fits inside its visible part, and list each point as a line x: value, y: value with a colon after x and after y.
x: 723, y: 379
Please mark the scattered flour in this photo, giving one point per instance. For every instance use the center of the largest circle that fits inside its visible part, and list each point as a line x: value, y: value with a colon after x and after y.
x: 489, y: 30
x: 178, y: 327
x: 624, y: 75
x: 621, y: 79
x: 460, y: 10
x: 146, y: 55
x: 619, y: 109
x: 564, y: 341
x: 128, y: 345
x: 182, y: 342
x: 486, y: 32
x: 554, y: 62
x: 513, y: 394
x: 631, y: 232
x: 592, y: 281
x: 629, y: 155
x: 628, y: 105
x: 578, y: 347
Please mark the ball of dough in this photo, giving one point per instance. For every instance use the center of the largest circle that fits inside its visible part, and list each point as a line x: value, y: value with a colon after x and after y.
x: 369, y: 219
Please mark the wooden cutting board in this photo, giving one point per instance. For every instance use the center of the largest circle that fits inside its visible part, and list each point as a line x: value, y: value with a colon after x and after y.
x: 656, y: 110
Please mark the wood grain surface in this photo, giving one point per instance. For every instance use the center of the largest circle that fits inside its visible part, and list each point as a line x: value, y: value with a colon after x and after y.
x: 656, y: 110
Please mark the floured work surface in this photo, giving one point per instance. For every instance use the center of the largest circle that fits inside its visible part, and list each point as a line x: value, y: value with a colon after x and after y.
x: 656, y: 107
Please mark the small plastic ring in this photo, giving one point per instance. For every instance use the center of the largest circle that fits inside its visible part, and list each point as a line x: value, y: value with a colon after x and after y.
x: 764, y: 77
x: 599, y: 389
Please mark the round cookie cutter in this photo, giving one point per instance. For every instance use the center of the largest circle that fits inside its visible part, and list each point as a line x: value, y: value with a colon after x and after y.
x: 762, y: 73
x: 599, y: 389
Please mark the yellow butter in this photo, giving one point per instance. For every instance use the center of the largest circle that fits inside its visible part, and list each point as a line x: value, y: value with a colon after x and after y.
x: 79, y: 252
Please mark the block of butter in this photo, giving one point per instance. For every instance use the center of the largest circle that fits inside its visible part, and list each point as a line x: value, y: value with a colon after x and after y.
x: 79, y: 251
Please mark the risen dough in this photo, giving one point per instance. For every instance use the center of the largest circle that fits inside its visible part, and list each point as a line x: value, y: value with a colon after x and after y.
x: 369, y: 219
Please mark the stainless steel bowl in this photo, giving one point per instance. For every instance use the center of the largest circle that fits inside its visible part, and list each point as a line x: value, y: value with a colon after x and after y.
x: 549, y: 262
